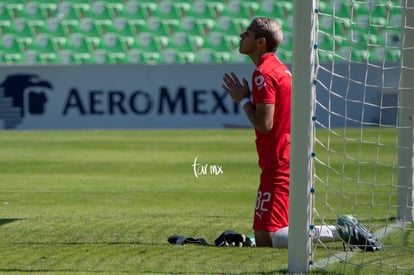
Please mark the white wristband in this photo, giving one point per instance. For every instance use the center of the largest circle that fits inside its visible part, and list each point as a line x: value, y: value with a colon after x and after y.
x: 244, y: 101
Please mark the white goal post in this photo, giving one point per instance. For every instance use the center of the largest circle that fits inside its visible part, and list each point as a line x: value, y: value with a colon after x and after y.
x: 405, y: 210
x: 305, y: 68
x: 301, y: 137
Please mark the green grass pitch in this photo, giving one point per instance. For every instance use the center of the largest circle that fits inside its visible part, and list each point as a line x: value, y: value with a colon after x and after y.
x: 105, y: 202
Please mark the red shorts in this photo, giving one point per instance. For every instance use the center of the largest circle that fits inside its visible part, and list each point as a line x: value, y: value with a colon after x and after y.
x: 272, y: 204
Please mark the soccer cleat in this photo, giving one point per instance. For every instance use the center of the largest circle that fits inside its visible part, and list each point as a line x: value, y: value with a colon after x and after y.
x: 353, y: 234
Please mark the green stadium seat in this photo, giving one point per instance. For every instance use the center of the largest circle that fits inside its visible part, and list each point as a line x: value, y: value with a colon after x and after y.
x: 343, y: 9
x: 68, y: 14
x: 365, y: 38
x: 360, y: 55
x: 204, y: 56
x: 379, y: 10
x: 376, y: 26
x: 150, y: 57
x: 135, y: 26
x: 287, y: 24
x: 395, y: 14
x: 56, y: 30
x: 217, y: 41
x: 156, y: 26
x: 325, y: 8
x: 250, y: 8
x: 171, y: 56
x: 134, y: 56
x: 237, y: 57
x: 376, y: 54
x: 341, y: 42
x: 133, y: 11
x: 231, y: 26
x: 174, y: 56
x: 287, y: 43
x: 32, y: 12
x: 168, y: 56
x: 207, y: 55
x: 189, y: 25
x: 390, y: 38
x: 343, y: 53
x: 220, y: 47
x: 149, y: 42
x: 65, y: 58
x: 379, y: 25
x: 42, y: 50
x: 362, y: 9
x: 153, y: 2
x: 46, y: 3
x: 325, y: 23
x: 108, y: 57
x: 100, y: 13
x: 342, y: 26
x: 205, y: 25
x: 181, y: 8
x: 113, y: 47
x: 325, y: 42
x: 232, y: 41
x: 357, y: 51
x: 167, y: 15
x: 14, y: 6
x: 325, y: 56
x: 22, y: 30
x: 121, y: 27
x: 268, y: 8
x: 216, y: 8
x: 100, y: 57
x: 285, y: 55
x: 115, y: 6
x: 14, y: 3
x: 164, y: 31
x: 135, y: 16
x: 184, y: 42
x: 48, y: 8
x: 244, y: 24
x: 166, y: 10
x: 234, y: 9
x: 77, y: 45
x: 88, y: 27
x: 380, y: 22
x: 393, y: 54
x: 361, y: 23
x: 80, y: 6
x: 11, y: 49
x: 6, y: 17
x: 285, y: 6
x: 395, y: 20
x: 148, y: 7
x: 188, y: 57
x: 199, y: 9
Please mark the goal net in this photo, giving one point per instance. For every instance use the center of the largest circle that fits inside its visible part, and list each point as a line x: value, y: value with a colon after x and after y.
x: 361, y: 132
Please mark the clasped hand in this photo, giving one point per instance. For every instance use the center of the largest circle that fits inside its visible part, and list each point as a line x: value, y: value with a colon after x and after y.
x: 236, y: 89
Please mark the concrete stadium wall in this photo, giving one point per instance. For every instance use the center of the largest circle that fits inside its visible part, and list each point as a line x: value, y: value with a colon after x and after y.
x: 163, y: 96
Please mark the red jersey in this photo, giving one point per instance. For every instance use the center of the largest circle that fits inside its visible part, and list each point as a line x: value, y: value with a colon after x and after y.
x: 272, y: 84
